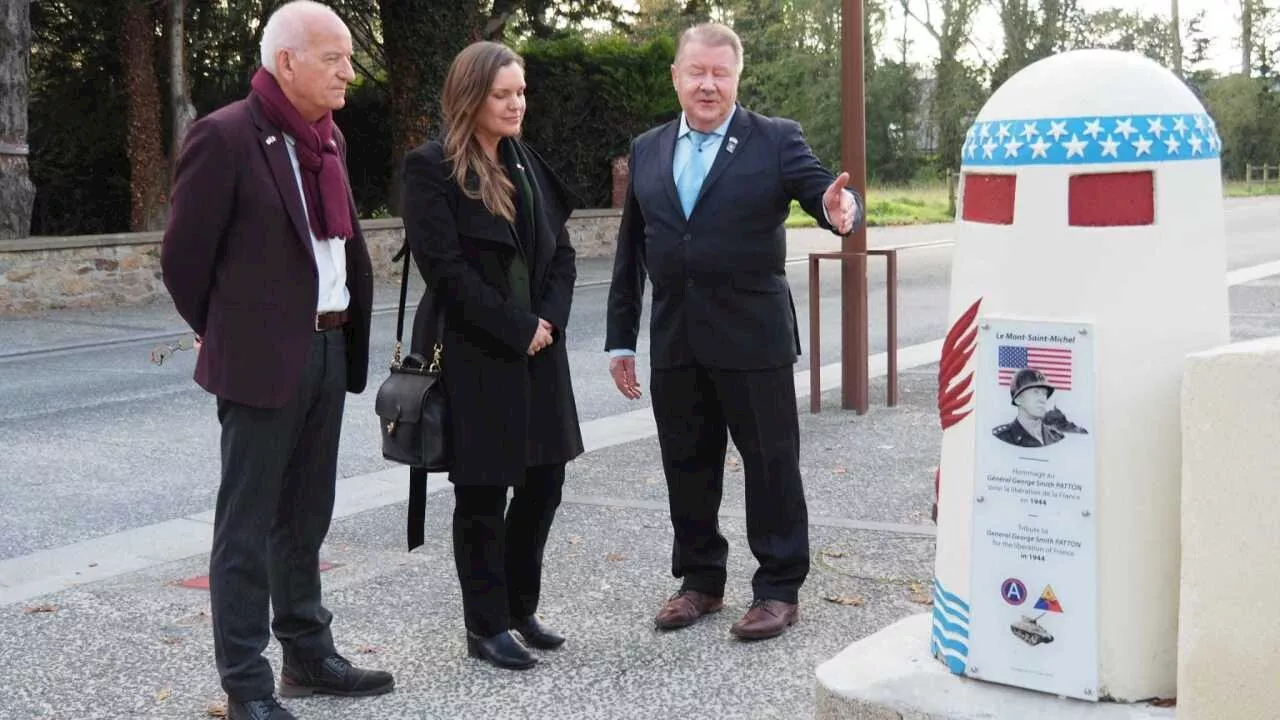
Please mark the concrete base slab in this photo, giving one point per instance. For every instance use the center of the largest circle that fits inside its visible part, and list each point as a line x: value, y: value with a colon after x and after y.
x: 891, y: 676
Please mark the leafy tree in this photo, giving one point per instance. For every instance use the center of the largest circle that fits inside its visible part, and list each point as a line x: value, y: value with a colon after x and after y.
x: 422, y: 37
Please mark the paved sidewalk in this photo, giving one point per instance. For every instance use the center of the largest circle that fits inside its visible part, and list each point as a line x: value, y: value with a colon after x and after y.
x: 139, y: 646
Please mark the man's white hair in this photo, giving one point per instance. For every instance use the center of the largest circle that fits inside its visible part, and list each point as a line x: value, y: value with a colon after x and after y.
x: 287, y: 28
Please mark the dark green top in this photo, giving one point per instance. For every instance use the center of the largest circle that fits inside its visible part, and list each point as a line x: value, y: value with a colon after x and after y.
x: 522, y: 231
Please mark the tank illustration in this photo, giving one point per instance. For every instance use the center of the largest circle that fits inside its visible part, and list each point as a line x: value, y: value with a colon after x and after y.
x: 1029, y: 631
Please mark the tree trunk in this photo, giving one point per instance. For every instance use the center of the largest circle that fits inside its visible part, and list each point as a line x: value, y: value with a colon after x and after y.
x: 184, y: 113
x: 1246, y: 37
x: 1175, y: 33
x: 147, y: 164
x: 17, y: 194
x: 421, y: 38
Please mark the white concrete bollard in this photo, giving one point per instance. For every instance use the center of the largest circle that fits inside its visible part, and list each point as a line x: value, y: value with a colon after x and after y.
x: 1090, y: 245
x: 1089, y: 262
x: 1228, y: 636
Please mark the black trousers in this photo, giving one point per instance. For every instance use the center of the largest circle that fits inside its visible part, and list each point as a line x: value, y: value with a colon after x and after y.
x: 697, y: 409
x: 279, y: 467
x: 498, y: 549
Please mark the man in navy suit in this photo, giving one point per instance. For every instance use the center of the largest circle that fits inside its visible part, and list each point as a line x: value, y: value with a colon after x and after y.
x: 264, y: 259
x: 704, y: 218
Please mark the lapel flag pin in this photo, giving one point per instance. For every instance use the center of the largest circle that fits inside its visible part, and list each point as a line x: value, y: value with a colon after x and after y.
x: 733, y: 143
x: 271, y: 139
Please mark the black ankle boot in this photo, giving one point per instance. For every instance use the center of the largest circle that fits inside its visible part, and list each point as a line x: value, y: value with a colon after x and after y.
x: 504, y: 650
x: 537, y: 634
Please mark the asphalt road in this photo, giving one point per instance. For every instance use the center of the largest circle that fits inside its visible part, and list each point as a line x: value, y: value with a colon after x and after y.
x: 96, y: 439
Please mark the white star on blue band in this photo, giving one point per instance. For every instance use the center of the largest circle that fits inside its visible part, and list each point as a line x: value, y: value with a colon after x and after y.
x: 1092, y: 140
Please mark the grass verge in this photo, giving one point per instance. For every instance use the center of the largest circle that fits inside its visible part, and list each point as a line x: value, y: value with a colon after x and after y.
x: 893, y: 205
x: 1238, y: 188
x: 922, y: 204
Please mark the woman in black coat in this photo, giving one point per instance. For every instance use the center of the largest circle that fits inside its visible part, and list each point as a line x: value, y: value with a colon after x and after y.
x: 485, y: 221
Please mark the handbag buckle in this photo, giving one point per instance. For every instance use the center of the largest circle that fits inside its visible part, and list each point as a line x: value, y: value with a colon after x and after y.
x: 435, y: 359
x: 395, y: 357
x: 391, y: 427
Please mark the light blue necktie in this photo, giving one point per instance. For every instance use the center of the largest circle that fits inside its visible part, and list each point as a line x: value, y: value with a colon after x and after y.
x: 695, y: 170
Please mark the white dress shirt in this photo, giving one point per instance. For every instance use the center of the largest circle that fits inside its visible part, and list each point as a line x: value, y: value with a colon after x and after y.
x: 331, y: 255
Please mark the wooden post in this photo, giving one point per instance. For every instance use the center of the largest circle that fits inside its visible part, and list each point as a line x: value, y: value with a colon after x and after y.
x: 854, y: 346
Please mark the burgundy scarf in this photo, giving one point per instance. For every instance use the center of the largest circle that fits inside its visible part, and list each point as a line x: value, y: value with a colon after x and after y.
x: 324, y: 184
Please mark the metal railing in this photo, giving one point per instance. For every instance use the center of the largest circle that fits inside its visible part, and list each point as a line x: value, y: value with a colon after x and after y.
x: 890, y: 254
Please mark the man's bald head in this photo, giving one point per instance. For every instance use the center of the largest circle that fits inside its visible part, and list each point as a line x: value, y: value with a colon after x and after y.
x: 307, y: 47
x: 290, y: 25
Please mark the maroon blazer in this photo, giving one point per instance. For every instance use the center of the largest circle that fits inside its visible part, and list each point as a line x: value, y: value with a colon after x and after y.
x: 238, y: 263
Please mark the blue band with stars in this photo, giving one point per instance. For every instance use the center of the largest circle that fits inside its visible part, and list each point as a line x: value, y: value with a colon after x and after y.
x: 1091, y: 140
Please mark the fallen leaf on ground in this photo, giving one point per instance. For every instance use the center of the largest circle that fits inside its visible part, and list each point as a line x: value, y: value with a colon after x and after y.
x: 833, y: 553
x: 840, y: 470
x: 216, y: 709
x: 163, y: 695
x: 920, y: 594
x: 45, y: 608
x: 575, y: 539
x: 366, y: 649
x: 171, y: 640
x: 615, y: 557
x: 1165, y: 702
x: 733, y: 462
x: 852, y: 600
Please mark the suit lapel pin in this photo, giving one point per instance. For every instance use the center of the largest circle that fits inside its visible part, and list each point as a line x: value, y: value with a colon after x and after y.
x: 271, y: 139
x: 733, y: 143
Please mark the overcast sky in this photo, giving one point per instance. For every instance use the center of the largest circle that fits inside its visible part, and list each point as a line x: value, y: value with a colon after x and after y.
x: 1221, y: 24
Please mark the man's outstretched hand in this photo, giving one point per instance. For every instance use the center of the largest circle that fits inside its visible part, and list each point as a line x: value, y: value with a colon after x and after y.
x: 841, y: 208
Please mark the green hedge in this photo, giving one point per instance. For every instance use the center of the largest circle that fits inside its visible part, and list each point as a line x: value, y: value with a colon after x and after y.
x: 587, y: 101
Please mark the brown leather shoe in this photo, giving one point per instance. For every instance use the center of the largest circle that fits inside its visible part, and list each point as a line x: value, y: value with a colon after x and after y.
x: 684, y: 609
x: 766, y: 619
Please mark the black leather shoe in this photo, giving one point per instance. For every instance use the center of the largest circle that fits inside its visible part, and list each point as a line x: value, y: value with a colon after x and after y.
x: 537, y: 634
x: 264, y: 709
x: 333, y: 675
x: 504, y: 650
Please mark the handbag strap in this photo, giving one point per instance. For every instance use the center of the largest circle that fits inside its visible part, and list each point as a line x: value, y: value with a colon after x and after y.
x: 417, y: 514
x: 404, y: 255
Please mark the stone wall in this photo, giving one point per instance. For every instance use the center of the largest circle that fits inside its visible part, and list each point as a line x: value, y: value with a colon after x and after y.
x: 98, y: 271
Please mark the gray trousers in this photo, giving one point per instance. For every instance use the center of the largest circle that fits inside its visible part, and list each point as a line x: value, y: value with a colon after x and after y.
x: 279, y: 467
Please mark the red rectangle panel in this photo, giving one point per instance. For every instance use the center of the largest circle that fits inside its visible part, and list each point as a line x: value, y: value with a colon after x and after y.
x: 1111, y: 199
x: 989, y: 198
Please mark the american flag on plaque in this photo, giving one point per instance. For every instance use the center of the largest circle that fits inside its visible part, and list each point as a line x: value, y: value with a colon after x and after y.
x: 1054, y: 362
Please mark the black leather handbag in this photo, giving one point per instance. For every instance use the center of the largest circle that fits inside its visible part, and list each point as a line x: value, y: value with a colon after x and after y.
x: 411, y: 405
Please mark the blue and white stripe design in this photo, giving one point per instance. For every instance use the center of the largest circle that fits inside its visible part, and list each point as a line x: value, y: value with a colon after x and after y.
x: 1092, y: 140
x: 949, y: 641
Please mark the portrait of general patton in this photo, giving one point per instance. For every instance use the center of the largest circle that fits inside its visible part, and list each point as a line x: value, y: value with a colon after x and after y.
x: 1037, y: 424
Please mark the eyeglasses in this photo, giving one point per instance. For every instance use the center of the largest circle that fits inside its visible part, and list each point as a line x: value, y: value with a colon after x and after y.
x: 160, y: 353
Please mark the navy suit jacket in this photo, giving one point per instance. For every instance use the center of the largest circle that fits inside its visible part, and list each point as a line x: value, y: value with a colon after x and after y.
x: 720, y: 292
x: 238, y: 262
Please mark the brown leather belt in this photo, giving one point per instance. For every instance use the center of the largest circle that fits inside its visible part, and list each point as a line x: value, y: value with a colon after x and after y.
x: 331, y: 320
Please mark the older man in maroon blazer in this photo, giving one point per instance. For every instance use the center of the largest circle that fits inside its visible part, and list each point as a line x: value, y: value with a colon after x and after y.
x: 264, y: 258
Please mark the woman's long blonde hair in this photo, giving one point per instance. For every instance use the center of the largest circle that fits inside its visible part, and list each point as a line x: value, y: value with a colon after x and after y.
x: 465, y: 90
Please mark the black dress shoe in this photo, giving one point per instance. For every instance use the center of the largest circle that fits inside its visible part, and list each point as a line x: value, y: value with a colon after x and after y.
x: 333, y: 675
x: 504, y: 650
x: 537, y: 634
x: 264, y: 709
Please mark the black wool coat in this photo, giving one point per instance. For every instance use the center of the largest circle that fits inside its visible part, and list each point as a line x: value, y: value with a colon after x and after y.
x: 508, y: 410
